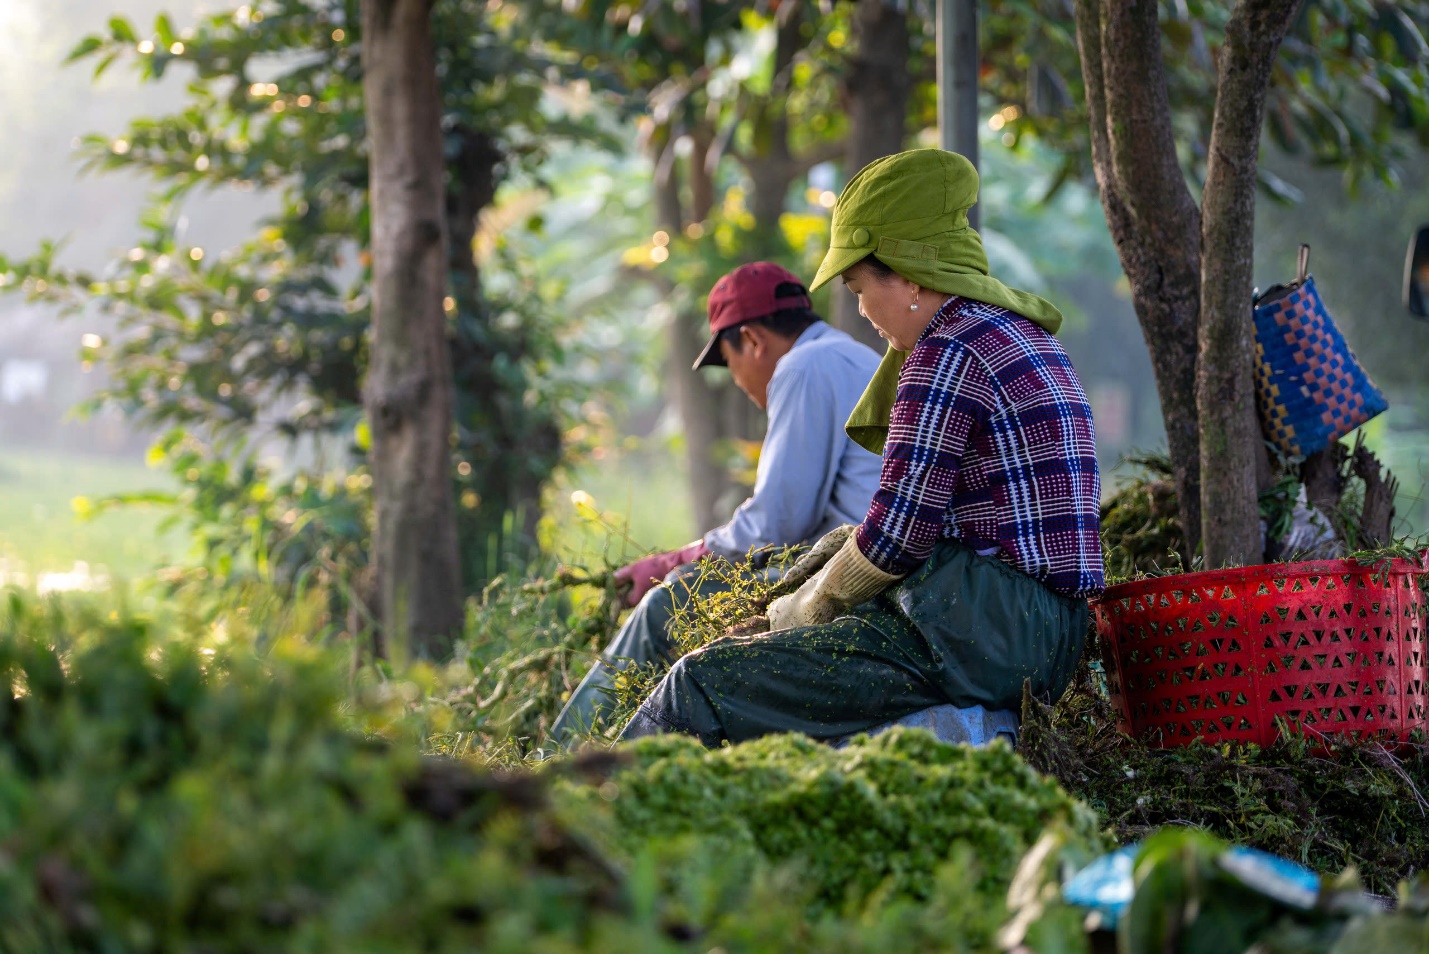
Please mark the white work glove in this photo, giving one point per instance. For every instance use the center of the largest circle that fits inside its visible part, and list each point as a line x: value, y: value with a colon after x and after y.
x: 845, y: 581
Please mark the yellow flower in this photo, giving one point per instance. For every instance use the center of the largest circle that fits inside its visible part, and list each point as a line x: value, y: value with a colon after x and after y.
x: 585, y: 506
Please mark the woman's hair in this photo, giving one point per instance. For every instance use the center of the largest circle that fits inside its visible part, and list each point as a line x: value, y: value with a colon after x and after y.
x: 877, y: 266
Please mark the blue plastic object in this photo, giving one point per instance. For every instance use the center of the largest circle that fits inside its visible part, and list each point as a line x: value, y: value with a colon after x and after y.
x: 1106, y: 885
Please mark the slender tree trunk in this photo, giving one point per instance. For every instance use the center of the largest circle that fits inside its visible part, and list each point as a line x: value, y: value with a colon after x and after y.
x: 876, y: 93
x: 696, y: 401
x: 771, y: 163
x: 505, y: 430
x: 471, y: 187
x: 1225, y: 384
x: 408, y: 393
x: 1151, y: 214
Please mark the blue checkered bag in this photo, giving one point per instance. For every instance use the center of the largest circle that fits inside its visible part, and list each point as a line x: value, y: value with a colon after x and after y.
x: 1310, y: 389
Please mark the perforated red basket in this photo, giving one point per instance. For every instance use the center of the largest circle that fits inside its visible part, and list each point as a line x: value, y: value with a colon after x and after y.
x: 1331, y: 648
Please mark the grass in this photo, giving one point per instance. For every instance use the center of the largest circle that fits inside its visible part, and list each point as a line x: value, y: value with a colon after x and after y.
x: 40, y: 530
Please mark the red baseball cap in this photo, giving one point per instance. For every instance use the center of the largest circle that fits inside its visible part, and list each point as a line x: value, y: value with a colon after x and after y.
x: 749, y: 292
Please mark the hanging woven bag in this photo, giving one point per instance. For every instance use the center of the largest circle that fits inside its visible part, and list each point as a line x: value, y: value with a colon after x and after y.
x: 1309, y: 387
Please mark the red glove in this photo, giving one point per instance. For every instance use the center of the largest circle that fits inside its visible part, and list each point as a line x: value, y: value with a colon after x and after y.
x: 645, y: 574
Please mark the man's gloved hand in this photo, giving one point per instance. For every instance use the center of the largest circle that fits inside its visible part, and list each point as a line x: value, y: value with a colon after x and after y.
x: 846, y: 580
x: 645, y: 574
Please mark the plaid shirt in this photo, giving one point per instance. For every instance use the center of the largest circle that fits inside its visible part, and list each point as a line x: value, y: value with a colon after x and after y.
x: 991, y: 443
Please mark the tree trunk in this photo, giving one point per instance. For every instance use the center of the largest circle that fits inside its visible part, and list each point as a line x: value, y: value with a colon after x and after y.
x: 876, y: 95
x: 511, y: 448
x: 470, y: 189
x: 1152, y: 217
x: 770, y: 162
x: 408, y: 392
x: 1376, y: 520
x: 697, y: 402
x: 699, y: 406
x: 1225, y: 383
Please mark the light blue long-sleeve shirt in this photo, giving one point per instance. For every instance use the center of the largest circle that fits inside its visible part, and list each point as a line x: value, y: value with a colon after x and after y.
x: 811, y: 477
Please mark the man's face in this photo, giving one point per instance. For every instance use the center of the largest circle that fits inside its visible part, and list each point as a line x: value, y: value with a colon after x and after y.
x: 752, y: 365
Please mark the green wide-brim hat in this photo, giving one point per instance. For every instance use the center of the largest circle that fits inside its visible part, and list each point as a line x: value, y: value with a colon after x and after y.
x: 910, y: 211
x: 900, y: 207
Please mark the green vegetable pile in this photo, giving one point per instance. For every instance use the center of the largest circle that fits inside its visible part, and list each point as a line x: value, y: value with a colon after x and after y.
x: 527, y: 645
x: 1141, y: 522
x: 877, y: 817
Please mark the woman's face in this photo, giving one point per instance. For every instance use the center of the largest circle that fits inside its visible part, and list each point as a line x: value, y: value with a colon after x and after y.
x: 886, y: 300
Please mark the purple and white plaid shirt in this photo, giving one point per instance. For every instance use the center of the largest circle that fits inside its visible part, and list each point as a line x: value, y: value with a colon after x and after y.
x: 990, y: 443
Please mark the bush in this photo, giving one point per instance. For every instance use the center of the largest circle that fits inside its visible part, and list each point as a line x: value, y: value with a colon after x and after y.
x: 156, y: 797
x: 159, y: 795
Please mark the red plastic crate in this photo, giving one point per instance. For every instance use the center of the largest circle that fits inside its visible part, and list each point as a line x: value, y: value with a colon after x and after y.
x: 1332, y: 648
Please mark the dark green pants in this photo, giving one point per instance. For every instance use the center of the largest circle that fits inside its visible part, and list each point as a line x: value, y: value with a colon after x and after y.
x: 962, y: 630
x: 643, y: 638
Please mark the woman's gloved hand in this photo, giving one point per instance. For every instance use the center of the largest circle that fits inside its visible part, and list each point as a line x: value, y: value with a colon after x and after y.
x: 820, y: 553
x: 845, y: 581
x: 645, y: 574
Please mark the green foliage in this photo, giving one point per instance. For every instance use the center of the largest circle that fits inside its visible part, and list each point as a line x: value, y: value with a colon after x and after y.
x: 1349, y: 90
x: 161, y: 797
x: 165, y: 789
x: 1141, y: 523
x: 162, y: 792
x: 527, y: 646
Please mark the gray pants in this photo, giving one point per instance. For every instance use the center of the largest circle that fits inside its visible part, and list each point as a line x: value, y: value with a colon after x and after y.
x: 643, y: 638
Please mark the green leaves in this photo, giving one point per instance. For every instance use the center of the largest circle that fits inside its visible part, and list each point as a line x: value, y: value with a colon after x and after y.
x: 1335, y: 54
x: 85, y: 47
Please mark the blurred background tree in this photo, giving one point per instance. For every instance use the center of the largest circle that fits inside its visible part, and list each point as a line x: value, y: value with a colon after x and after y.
x: 227, y: 350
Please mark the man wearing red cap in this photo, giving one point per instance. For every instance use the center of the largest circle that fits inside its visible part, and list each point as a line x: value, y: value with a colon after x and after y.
x: 811, y: 478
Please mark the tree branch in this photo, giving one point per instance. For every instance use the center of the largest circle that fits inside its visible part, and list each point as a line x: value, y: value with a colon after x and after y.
x: 1089, y: 42
x: 1142, y: 145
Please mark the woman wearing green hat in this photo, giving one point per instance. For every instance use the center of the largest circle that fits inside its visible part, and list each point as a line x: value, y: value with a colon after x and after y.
x: 970, y: 573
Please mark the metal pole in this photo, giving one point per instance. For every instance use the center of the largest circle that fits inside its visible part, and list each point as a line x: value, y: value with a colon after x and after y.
x: 957, y: 38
